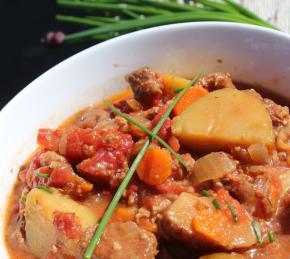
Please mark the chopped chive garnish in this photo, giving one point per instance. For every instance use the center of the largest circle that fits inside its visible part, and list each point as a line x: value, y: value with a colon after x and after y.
x: 271, y: 237
x: 44, y: 188
x: 114, y: 202
x: 257, y: 231
x: 149, y: 132
x: 216, y: 204
x: 177, y: 90
x: 232, y: 210
x: 23, y: 198
x: 206, y: 194
x: 43, y: 175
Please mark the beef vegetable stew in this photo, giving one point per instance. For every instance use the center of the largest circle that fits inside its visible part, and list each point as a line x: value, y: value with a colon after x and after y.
x: 212, y: 176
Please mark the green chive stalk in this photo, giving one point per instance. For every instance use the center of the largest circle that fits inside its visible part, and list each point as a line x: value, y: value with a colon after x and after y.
x: 160, y: 20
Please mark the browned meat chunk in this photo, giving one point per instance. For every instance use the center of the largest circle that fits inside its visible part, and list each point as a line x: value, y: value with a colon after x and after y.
x: 100, y: 119
x: 126, y: 240
x: 147, y: 86
x: 259, y: 189
x: 279, y: 114
x: 216, y: 81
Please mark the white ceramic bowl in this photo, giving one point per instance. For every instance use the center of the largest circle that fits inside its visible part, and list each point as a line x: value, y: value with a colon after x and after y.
x: 251, y: 54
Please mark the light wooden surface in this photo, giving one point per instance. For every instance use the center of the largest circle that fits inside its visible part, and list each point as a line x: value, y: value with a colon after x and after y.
x: 275, y: 11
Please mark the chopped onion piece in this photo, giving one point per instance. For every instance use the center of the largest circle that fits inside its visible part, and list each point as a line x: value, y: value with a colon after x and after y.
x: 212, y: 166
x: 136, y: 131
x: 259, y: 153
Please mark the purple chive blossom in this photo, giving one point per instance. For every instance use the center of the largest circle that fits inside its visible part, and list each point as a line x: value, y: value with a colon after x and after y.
x: 53, y: 38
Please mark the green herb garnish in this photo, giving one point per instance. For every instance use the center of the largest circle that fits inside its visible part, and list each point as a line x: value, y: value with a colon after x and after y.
x: 43, y: 175
x: 232, y: 210
x: 177, y: 90
x: 44, y: 188
x: 114, y: 17
x: 149, y: 132
x: 207, y: 194
x: 257, y: 231
x: 114, y: 202
x: 271, y: 237
x: 23, y: 198
x: 214, y: 202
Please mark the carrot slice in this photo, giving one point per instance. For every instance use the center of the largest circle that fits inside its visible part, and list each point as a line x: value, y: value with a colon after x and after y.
x: 191, y: 95
x: 155, y: 166
x: 124, y: 213
x: 218, y: 227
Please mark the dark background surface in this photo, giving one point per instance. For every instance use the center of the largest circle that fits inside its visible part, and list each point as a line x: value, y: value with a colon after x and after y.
x: 23, y: 56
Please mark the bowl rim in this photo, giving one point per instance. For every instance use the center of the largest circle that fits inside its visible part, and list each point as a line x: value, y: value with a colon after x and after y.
x: 34, y: 83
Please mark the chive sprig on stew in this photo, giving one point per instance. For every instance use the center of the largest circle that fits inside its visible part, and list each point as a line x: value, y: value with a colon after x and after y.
x: 111, y: 207
x: 214, y: 202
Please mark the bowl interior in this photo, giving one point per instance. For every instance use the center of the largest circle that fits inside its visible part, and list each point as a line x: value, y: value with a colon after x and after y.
x: 250, y: 54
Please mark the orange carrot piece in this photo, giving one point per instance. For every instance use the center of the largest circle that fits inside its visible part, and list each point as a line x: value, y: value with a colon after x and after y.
x: 218, y: 227
x: 124, y: 213
x: 191, y: 95
x: 147, y: 225
x: 155, y: 166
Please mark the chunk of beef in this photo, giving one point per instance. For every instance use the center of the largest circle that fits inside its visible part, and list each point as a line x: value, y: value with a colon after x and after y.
x: 284, y: 213
x: 101, y: 119
x: 279, y: 114
x: 259, y: 189
x: 94, y: 117
x: 216, y: 81
x: 147, y: 86
x: 126, y: 240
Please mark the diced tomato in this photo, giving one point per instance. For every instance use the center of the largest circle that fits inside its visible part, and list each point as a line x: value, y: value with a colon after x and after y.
x: 49, y: 138
x: 171, y: 186
x: 31, y: 178
x: 84, y: 143
x: 103, y: 166
x: 117, y: 141
x: 165, y: 130
x: 174, y: 143
x: 63, y: 176
x: 68, y: 224
x: 76, y: 138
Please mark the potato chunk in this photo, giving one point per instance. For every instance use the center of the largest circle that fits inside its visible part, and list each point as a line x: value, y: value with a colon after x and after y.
x: 223, y: 119
x: 41, y: 233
